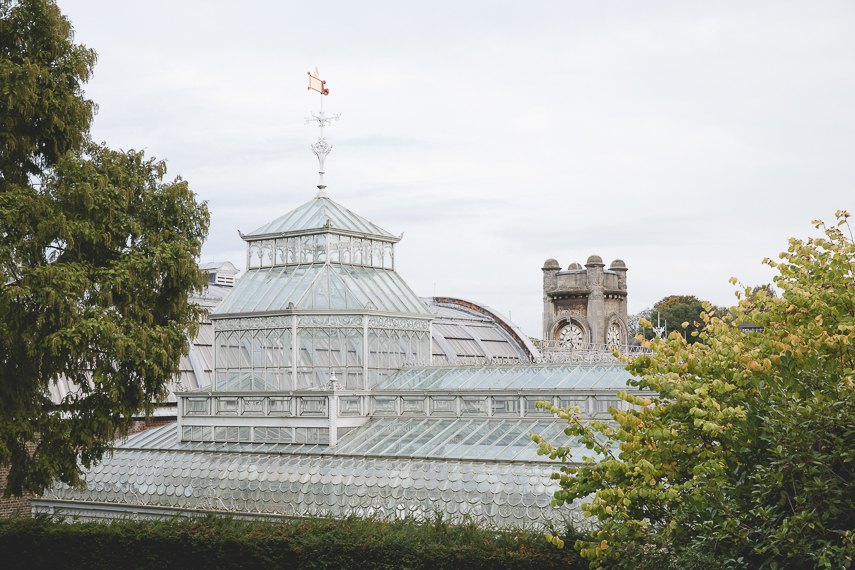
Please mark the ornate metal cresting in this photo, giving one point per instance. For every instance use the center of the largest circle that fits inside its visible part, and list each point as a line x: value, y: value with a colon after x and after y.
x: 321, y: 148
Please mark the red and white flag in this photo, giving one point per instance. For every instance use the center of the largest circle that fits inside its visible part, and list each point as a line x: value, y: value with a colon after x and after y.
x: 316, y: 83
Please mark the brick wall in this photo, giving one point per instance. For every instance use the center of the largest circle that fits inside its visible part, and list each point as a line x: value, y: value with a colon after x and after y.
x: 142, y: 425
x: 21, y: 506
x: 15, y: 506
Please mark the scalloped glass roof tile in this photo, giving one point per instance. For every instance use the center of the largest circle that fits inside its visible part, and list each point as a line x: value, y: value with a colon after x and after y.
x: 263, y: 483
x: 317, y: 214
x: 321, y: 287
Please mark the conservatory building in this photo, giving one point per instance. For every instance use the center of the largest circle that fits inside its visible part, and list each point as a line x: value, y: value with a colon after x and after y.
x: 335, y: 389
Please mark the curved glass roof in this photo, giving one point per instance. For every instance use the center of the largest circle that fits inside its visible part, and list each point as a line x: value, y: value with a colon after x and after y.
x: 535, y: 377
x: 317, y: 214
x: 324, y: 287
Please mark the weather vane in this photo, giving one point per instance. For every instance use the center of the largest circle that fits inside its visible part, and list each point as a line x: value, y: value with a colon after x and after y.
x: 320, y: 148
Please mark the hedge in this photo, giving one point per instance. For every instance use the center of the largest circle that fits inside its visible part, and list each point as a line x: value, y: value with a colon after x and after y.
x: 320, y: 543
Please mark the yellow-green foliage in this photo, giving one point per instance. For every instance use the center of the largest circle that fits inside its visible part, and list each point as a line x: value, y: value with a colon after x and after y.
x: 745, y: 447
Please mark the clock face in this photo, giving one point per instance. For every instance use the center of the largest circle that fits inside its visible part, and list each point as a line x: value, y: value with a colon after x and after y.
x: 571, y: 336
x: 613, y: 336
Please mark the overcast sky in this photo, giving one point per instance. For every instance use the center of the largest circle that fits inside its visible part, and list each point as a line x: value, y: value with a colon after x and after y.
x: 690, y: 139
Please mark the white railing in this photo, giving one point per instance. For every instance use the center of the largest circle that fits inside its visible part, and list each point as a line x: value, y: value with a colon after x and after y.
x: 550, y: 346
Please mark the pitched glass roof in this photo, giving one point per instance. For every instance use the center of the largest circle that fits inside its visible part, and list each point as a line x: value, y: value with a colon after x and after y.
x: 464, y: 439
x: 317, y: 214
x: 535, y: 377
x: 324, y: 287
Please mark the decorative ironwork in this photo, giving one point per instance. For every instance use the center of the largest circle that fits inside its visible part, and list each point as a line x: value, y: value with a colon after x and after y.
x: 330, y: 321
x: 252, y: 323
x: 398, y: 323
x: 660, y: 330
x: 321, y: 148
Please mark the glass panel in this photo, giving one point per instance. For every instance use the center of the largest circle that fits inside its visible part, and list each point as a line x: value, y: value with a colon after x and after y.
x: 553, y: 433
x: 522, y: 442
x: 258, y: 342
x: 474, y: 405
x: 362, y: 287
x: 348, y: 405
x: 435, y: 378
x: 441, y: 430
x: 271, y: 287
x: 373, y: 430
x: 338, y: 293
x: 387, y: 256
x: 384, y: 404
x: 473, y: 438
x: 402, y: 438
x: 506, y: 406
x: 222, y: 346
x: 443, y: 406
x: 242, y: 290
x: 399, y: 290
x: 315, y: 406
x: 414, y: 405
x: 289, y: 281
x: 429, y: 432
x: 227, y: 405
x: 354, y: 347
x: 307, y: 249
x: 318, y: 296
x: 388, y: 431
x: 592, y: 377
x: 297, y: 295
x: 280, y: 406
x: 381, y: 282
x: 333, y: 245
x: 523, y: 378
x: 493, y: 378
x: 559, y: 374
x: 495, y: 444
x: 321, y: 248
x: 267, y: 280
x: 462, y: 378
x: 615, y: 377
x: 245, y: 350
x: 337, y: 347
x: 532, y: 410
x: 580, y: 401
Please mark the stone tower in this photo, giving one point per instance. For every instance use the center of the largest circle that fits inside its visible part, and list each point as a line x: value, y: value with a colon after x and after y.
x: 585, y: 305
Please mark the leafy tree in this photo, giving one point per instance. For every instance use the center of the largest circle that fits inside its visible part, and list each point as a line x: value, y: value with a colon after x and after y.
x: 673, y: 311
x: 97, y: 262
x: 43, y: 111
x: 745, y: 449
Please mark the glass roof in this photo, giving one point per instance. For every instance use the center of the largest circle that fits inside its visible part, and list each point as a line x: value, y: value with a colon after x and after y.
x: 535, y: 377
x: 485, y: 469
x: 324, y: 287
x: 317, y: 214
x: 500, y: 494
x: 481, y: 439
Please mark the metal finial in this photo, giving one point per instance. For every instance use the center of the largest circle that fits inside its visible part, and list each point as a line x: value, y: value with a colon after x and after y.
x: 320, y: 148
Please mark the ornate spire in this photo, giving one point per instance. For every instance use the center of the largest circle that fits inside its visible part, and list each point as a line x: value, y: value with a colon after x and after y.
x: 321, y: 148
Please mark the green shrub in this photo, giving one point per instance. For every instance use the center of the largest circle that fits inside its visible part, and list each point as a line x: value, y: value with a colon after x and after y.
x: 223, y: 543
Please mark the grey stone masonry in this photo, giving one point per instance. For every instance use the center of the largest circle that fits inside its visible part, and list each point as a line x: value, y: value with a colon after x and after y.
x: 587, y: 304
